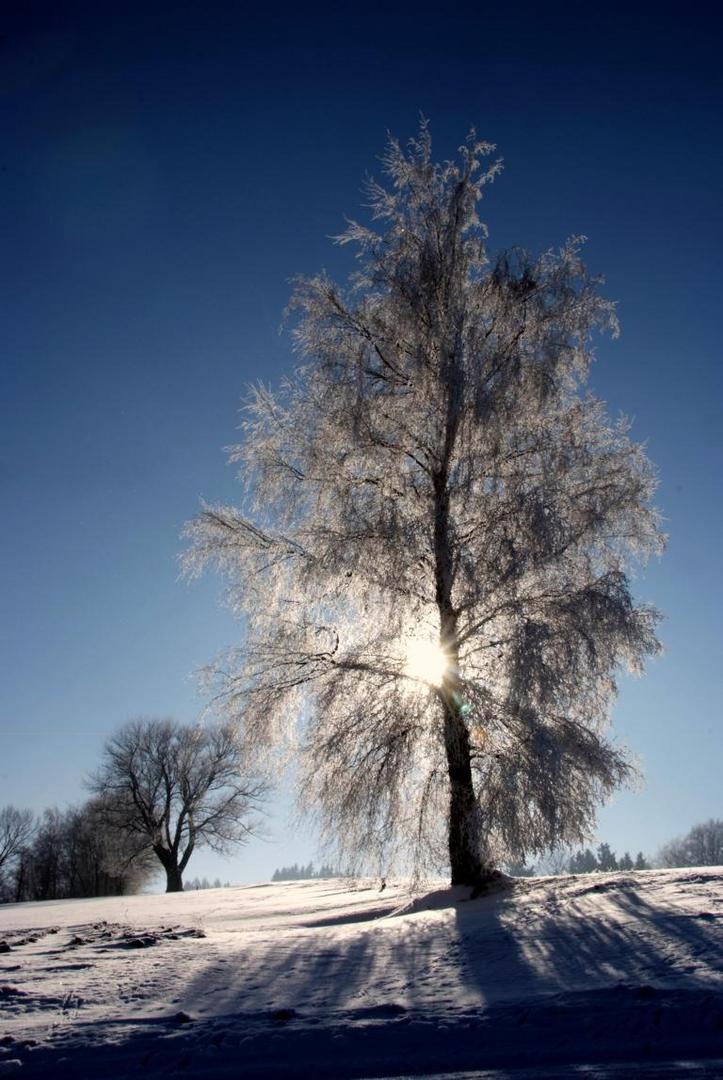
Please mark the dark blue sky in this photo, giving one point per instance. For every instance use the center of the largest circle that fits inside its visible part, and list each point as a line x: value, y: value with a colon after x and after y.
x: 165, y: 171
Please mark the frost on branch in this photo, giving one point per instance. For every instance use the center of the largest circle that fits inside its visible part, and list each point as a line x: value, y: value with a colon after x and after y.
x: 435, y: 468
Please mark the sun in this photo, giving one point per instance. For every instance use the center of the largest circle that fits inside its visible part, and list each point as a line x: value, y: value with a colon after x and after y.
x: 426, y: 661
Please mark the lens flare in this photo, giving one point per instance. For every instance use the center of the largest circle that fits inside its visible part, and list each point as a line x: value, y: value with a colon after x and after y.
x: 426, y: 661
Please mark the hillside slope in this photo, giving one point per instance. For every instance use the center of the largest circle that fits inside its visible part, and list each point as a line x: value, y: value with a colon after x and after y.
x: 320, y: 979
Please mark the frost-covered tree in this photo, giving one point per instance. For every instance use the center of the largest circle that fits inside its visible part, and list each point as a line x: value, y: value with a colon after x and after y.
x: 702, y: 846
x: 432, y: 553
x: 554, y: 862
x: 520, y: 869
x: 179, y: 787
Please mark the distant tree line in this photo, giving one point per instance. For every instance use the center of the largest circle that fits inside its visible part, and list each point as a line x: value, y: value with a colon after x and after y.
x: 304, y: 873
x: 701, y: 846
x: 586, y: 861
x: 68, y: 853
x: 79, y: 852
x: 203, y: 883
x: 605, y: 860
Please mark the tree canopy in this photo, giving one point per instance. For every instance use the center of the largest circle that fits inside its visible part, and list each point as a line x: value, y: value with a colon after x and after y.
x: 432, y: 550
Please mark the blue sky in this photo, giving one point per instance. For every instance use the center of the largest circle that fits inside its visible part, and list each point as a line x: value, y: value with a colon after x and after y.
x: 166, y: 169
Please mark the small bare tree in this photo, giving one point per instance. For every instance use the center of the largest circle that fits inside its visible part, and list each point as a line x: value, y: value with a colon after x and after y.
x: 180, y: 787
x: 17, y: 828
x: 432, y: 556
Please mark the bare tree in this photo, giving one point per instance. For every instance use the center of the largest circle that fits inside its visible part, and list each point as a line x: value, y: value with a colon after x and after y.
x: 431, y: 554
x: 16, y: 832
x: 179, y: 787
x: 702, y: 846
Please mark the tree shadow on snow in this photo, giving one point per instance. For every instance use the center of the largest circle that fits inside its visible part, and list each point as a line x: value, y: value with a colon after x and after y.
x: 562, y: 982
x: 457, y: 984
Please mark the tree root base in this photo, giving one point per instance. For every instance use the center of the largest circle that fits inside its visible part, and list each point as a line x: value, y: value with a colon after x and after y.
x: 491, y: 882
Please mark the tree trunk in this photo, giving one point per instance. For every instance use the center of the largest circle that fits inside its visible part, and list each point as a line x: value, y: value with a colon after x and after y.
x: 20, y: 880
x: 174, y: 874
x: 174, y: 879
x: 464, y: 854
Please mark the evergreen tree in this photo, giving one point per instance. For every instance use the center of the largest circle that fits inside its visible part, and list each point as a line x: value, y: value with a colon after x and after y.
x: 589, y: 862
x: 606, y: 858
x: 575, y: 865
x: 584, y: 862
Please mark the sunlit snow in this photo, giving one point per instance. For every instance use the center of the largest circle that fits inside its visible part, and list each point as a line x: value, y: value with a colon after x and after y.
x: 620, y: 971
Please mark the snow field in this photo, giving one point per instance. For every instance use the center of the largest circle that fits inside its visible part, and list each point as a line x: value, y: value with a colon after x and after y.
x: 322, y: 978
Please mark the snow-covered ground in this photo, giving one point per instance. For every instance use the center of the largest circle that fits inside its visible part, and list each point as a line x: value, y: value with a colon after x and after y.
x: 608, y: 975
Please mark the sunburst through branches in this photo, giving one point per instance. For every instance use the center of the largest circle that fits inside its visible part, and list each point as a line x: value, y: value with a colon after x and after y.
x: 426, y: 661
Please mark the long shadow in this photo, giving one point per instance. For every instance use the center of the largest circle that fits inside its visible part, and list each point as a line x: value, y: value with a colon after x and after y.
x: 563, y: 981
x: 546, y: 981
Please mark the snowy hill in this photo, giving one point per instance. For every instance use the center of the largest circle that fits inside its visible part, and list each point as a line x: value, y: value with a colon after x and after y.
x: 621, y: 972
